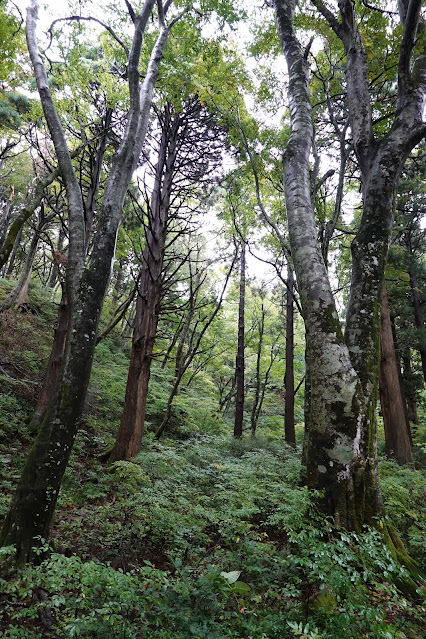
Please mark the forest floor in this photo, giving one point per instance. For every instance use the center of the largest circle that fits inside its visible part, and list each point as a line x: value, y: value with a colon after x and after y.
x: 200, y: 536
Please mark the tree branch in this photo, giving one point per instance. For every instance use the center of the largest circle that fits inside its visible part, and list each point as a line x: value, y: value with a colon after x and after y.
x: 87, y: 19
x: 407, y: 45
x: 74, y: 197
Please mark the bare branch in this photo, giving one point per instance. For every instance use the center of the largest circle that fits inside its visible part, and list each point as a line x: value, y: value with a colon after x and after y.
x: 87, y: 19
x: 131, y: 11
x: 406, y: 49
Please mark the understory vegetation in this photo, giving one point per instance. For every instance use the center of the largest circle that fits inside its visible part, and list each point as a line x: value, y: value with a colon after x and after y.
x: 201, y: 535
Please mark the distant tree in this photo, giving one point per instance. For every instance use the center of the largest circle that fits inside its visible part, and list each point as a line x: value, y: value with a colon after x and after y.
x: 262, y: 373
x: 290, y: 434
x: 240, y: 359
x: 392, y: 400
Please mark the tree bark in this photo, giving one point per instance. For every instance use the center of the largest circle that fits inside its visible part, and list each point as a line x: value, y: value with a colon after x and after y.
x: 418, y: 320
x: 395, y: 418
x: 336, y: 406
x: 290, y: 434
x: 129, y: 437
x: 341, y: 448
x: 239, y: 363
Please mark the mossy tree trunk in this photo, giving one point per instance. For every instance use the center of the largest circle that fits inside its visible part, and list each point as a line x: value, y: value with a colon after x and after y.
x: 95, y: 161
x: 341, y: 443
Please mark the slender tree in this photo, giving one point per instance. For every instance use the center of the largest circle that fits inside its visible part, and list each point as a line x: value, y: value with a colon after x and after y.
x: 129, y: 437
x: 290, y: 434
x: 239, y: 361
x: 182, y: 145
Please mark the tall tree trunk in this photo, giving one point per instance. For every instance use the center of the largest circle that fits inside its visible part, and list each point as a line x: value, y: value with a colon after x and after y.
x: 409, y: 392
x: 59, y: 337
x: 290, y: 435
x: 129, y: 437
x: 254, y: 412
x: 239, y: 363
x: 5, y: 215
x: 418, y: 320
x: 12, y: 252
x: 395, y: 418
x: 19, y: 294
x: 195, y: 283
x: 341, y: 448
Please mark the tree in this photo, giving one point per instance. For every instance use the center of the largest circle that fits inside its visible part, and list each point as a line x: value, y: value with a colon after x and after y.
x: 343, y: 368
x: 130, y: 433
x: 183, y: 161
x: 290, y: 435
x: 31, y: 511
x: 195, y: 339
x: 261, y: 378
x: 239, y: 360
x: 392, y: 400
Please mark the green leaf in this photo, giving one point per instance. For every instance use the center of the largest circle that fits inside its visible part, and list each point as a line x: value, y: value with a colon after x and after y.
x: 231, y: 577
x: 241, y: 588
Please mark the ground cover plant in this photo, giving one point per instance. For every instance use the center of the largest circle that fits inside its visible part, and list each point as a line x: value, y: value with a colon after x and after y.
x: 201, y: 536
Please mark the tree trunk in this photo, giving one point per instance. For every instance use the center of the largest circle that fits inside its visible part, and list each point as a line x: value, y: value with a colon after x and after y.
x: 341, y: 448
x: 59, y: 338
x: 394, y: 413
x: 53, y: 365
x: 19, y: 294
x: 129, y: 437
x: 290, y: 435
x: 55, y: 274
x: 336, y: 407
x: 5, y: 215
x: 418, y: 320
x: 12, y: 252
x: 409, y: 392
x: 254, y: 412
x: 239, y: 363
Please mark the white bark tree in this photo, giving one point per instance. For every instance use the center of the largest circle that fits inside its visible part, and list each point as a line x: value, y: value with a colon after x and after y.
x: 343, y: 368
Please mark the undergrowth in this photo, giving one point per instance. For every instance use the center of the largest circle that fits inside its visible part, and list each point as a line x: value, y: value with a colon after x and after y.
x: 205, y: 538
x: 200, y: 536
